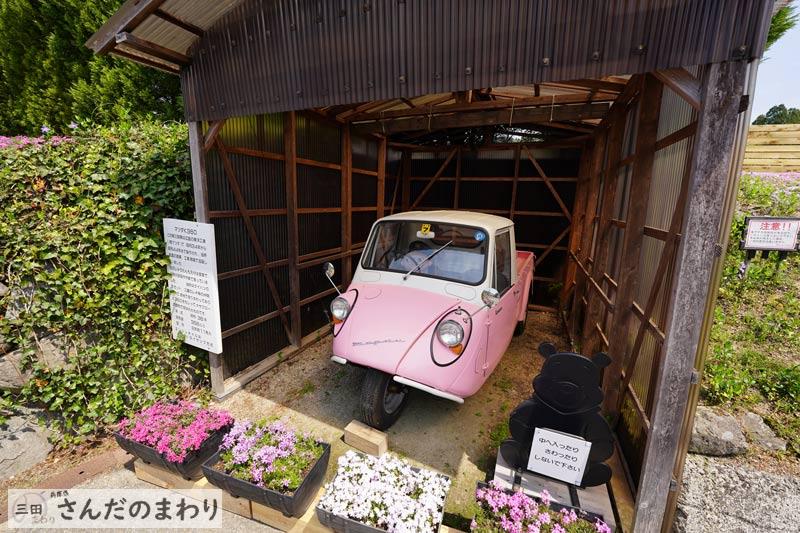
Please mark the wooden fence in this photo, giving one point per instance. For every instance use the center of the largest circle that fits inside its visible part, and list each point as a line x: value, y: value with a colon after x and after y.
x: 773, y: 148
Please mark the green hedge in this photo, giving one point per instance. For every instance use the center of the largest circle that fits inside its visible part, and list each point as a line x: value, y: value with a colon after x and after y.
x: 80, y: 221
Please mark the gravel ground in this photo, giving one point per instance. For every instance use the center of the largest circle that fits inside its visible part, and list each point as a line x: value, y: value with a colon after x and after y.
x: 719, y: 495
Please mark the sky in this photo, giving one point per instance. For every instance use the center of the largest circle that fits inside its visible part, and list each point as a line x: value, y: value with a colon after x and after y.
x: 778, y: 79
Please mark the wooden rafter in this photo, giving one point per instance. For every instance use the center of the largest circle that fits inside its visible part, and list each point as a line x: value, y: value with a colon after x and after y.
x: 175, y: 21
x: 211, y: 136
x: 683, y: 83
x: 152, y: 49
x: 167, y: 67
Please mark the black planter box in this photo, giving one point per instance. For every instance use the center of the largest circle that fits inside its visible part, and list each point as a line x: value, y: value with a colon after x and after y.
x: 585, y: 515
x: 342, y: 524
x: 290, y: 505
x: 190, y: 468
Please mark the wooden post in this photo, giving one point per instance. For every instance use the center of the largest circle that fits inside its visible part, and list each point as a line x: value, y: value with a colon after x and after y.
x: 347, y: 201
x: 290, y: 170
x: 457, y: 189
x: 517, y: 157
x: 595, y: 311
x: 406, y: 179
x: 578, y: 218
x: 628, y: 280
x: 587, y: 231
x: 721, y: 93
x: 200, y: 187
x: 381, y: 194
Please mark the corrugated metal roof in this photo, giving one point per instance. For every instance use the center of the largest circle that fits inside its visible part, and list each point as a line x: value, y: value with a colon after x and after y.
x: 260, y: 56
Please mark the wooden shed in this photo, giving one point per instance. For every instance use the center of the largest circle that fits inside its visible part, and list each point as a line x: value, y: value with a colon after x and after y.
x: 610, y: 131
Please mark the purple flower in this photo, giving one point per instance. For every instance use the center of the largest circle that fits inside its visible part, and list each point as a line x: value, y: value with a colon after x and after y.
x: 73, y: 125
x: 45, y: 130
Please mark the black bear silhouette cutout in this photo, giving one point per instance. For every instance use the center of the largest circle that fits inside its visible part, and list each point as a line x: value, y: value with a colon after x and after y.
x: 566, y: 397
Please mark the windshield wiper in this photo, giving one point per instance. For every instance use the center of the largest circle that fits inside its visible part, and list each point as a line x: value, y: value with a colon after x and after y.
x: 426, y: 260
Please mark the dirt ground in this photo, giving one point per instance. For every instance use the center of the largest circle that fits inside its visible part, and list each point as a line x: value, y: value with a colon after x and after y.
x: 459, y: 440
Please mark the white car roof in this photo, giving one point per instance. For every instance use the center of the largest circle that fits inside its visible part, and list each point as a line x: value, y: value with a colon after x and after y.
x: 491, y: 223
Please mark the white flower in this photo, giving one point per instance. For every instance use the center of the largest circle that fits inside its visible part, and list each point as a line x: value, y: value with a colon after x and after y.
x: 387, y: 493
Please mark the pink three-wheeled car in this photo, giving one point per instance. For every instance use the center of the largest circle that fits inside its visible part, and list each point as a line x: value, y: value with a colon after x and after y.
x: 432, y: 305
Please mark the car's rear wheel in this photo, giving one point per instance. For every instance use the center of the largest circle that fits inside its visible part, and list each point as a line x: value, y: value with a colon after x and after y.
x: 382, y: 399
x: 520, y: 329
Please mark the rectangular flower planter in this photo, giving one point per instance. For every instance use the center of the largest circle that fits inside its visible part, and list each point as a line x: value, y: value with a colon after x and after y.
x: 341, y: 524
x: 293, y: 505
x: 190, y: 468
x: 554, y: 506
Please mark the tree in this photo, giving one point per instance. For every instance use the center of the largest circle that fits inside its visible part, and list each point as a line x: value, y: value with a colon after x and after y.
x: 48, y: 77
x: 784, y: 20
x: 779, y: 114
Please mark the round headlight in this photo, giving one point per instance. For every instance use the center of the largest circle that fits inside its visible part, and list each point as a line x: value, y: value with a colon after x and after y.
x: 340, y: 308
x: 450, y: 333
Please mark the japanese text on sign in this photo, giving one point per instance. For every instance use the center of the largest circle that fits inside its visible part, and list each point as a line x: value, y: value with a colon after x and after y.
x: 194, y: 297
x: 559, y: 455
x: 767, y: 233
x: 114, y: 508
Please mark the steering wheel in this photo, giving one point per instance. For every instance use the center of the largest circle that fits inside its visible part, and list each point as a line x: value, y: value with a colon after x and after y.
x: 415, y: 246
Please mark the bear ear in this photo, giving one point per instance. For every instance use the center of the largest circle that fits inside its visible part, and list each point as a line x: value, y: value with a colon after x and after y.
x: 601, y: 359
x: 547, y: 349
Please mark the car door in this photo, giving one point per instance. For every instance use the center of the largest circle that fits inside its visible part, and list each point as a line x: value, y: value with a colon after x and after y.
x: 502, y: 317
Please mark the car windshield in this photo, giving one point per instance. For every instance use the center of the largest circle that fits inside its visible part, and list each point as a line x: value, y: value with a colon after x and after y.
x: 403, y: 245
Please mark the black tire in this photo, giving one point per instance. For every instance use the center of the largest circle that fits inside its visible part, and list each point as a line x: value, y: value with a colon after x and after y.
x: 520, y: 329
x: 376, y: 411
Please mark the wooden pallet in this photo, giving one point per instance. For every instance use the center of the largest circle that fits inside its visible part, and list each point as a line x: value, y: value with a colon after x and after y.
x: 308, y: 523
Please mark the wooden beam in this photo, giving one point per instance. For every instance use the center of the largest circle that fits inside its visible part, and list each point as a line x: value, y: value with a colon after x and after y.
x: 515, y: 183
x: 552, y: 246
x: 552, y: 189
x: 211, y: 136
x: 486, y: 105
x: 435, y: 177
x: 131, y: 14
x: 683, y: 83
x: 180, y: 23
x: 290, y: 171
x: 152, y: 49
x: 638, y: 199
x: 169, y: 68
x: 253, y: 235
x: 720, y: 94
x: 536, y: 115
x: 347, y: 201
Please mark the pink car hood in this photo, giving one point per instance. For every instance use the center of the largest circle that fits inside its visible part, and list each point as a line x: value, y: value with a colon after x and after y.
x: 386, y: 322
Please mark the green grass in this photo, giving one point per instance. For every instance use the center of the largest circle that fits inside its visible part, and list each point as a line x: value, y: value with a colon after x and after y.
x: 754, y: 350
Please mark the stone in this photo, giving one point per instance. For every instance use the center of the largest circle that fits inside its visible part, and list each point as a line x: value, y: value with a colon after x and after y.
x: 3, y: 290
x: 761, y: 434
x: 54, y: 350
x: 18, y: 301
x: 716, y: 434
x: 12, y: 376
x: 719, y: 495
x: 23, y: 444
x: 5, y: 346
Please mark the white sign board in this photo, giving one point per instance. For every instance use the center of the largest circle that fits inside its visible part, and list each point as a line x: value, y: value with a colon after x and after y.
x: 768, y: 233
x: 559, y: 455
x: 194, y: 297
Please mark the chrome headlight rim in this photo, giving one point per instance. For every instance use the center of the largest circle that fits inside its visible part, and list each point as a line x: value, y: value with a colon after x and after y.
x: 450, y: 333
x: 340, y: 308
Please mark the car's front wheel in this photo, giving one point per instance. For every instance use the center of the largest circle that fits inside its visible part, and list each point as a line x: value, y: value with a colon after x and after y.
x: 382, y: 399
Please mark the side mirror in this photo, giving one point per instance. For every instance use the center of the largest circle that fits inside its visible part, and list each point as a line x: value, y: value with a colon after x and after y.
x: 490, y: 297
x: 329, y: 271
